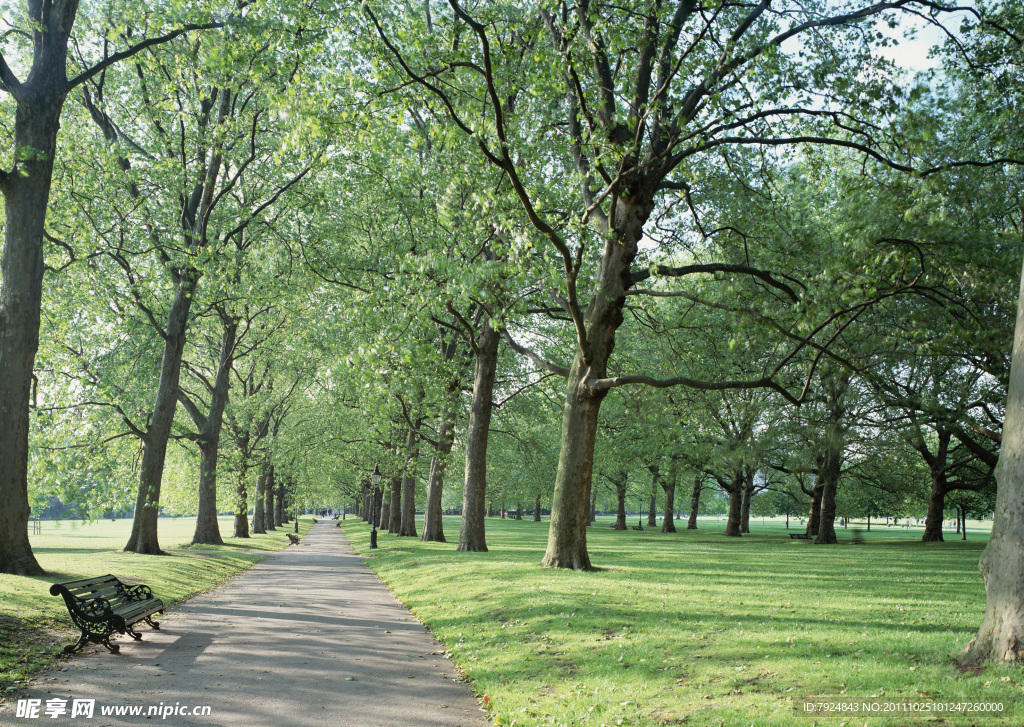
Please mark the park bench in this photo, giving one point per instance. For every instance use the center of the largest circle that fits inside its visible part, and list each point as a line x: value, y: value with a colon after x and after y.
x: 799, y: 536
x: 103, y: 605
x: 293, y: 537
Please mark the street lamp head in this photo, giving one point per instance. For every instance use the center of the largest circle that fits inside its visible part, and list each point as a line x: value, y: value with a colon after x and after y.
x: 375, y: 476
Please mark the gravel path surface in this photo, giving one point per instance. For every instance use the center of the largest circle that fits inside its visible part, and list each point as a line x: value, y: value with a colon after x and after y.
x: 310, y: 636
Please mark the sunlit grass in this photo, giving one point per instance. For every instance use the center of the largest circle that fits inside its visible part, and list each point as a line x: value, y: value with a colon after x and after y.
x: 34, y: 625
x: 695, y: 628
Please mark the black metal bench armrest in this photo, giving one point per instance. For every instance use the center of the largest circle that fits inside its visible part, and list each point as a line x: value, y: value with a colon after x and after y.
x: 95, y: 608
x: 139, y: 592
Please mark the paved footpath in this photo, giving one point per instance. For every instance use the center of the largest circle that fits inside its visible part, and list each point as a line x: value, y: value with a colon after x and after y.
x: 310, y: 636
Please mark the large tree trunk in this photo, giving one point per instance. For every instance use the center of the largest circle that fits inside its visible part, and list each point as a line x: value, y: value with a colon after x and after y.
x: 385, y: 508
x: 412, y: 453
x: 829, y: 468
x: 26, y: 191
x: 698, y: 486
x: 1001, y: 634
x: 814, y: 514
x: 620, y: 501
x: 284, y: 499
x: 207, y: 528
x: 734, y: 523
x: 143, y: 537
x: 472, y: 534
x: 259, y: 520
x: 936, y: 508
x: 395, y: 517
x: 268, y: 499
x: 829, y: 459
x: 827, y: 521
x: 748, y: 495
x: 433, y: 523
x: 652, y: 513
x: 567, y: 535
x: 279, y: 492
x: 939, y: 485
x: 241, y: 528
x: 567, y: 532
x: 668, y: 523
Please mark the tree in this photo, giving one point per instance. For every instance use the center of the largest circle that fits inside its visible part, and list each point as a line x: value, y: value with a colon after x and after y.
x: 635, y: 131
x: 39, y: 100
x: 240, y: 168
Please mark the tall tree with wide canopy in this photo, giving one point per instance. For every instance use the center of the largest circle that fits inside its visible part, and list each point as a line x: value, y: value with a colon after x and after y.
x: 195, y: 209
x: 39, y: 96
x: 645, y: 93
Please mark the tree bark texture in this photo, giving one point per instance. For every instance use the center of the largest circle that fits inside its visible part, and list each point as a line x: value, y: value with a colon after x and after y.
x: 26, y: 191
x: 536, y: 510
x: 385, y: 508
x: 734, y: 522
x: 412, y: 454
x: 1000, y: 637
x: 939, y: 484
x: 620, y: 501
x: 748, y: 495
x: 259, y: 521
x: 143, y: 538
x: 652, y: 512
x: 268, y: 498
x: 207, y: 528
x: 472, y: 533
x: 395, y: 517
x: 668, y: 523
x: 814, y: 514
x: 698, y: 486
x: 241, y: 527
x: 433, y: 523
x: 279, y: 491
x: 567, y: 532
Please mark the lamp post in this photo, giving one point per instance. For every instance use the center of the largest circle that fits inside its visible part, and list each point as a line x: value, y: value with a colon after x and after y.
x: 374, y: 481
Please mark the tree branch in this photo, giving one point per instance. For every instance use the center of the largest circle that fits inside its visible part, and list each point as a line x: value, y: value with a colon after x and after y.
x: 541, y: 363
x: 765, y: 383
x: 129, y: 52
x: 677, y: 272
x: 9, y: 82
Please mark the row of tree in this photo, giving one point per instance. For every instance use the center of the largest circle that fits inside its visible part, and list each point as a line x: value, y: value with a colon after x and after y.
x: 736, y: 242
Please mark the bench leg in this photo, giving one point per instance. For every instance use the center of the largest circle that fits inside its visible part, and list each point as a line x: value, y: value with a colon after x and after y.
x: 151, y: 622
x: 133, y: 633
x: 112, y: 648
x: 82, y: 641
x: 86, y: 637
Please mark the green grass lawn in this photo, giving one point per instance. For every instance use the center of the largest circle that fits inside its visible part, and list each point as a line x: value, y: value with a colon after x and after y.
x: 34, y: 626
x: 695, y: 628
